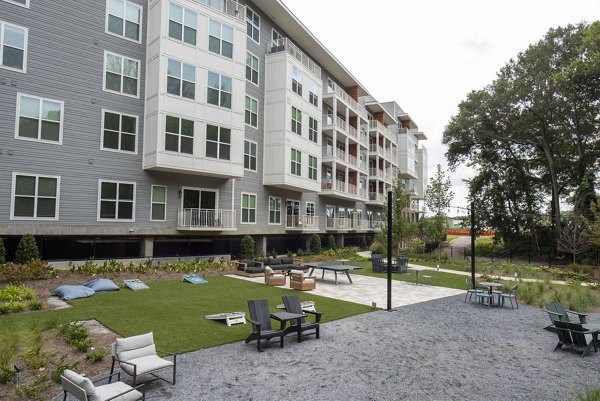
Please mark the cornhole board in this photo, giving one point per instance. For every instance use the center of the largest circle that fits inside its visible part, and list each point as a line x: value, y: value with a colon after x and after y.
x: 306, y: 305
x: 229, y: 317
x: 192, y: 278
x: 135, y: 284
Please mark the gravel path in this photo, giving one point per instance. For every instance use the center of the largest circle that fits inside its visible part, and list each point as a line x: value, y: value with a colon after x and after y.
x: 442, y: 349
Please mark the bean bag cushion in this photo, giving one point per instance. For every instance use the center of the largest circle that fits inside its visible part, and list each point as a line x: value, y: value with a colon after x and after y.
x: 102, y: 284
x: 73, y: 291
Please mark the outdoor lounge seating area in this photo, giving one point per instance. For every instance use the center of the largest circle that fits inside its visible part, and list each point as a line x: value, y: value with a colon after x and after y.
x: 379, y: 264
x: 486, y: 294
x: 295, y: 315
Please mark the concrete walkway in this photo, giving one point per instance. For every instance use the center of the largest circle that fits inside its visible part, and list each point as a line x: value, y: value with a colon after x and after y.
x: 367, y: 290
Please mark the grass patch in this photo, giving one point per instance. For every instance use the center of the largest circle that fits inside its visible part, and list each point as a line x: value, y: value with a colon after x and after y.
x: 452, y: 237
x: 175, y: 311
x: 440, y: 279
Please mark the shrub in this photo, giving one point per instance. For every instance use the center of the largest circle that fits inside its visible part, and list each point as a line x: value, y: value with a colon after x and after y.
x: 97, y: 355
x: 247, y: 248
x: 81, y: 345
x: 331, y: 242
x: 315, y: 243
x: 60, y: 366
x: 2, y: 252
x: 33, y: 389
x: 27, y: 249
x: 6, y: 375
x: 35, y: 269
x: 378, y: 247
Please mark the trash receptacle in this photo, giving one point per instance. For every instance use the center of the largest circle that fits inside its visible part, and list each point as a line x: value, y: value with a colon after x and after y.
x: 402, y: 263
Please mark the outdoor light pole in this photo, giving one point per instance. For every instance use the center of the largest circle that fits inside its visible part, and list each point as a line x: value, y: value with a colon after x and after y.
x: 473, y: 244
x: 389, y: 253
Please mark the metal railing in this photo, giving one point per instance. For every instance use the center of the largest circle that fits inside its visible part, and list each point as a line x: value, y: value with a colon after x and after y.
x: 229, y: 7
x: 284, y: 44
x: 376, y: 196
x: 305, y: 222
x: 340, y: 154
x: 342, y: 94
x: 206, y: 218
x: 352, y: 160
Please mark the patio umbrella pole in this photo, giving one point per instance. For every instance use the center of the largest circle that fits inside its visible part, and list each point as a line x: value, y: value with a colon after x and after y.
x: 389, y: 253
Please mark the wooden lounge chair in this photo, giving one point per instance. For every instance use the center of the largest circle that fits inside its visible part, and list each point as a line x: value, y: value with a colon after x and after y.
x: 558, y: 312
x: 576, y: 336
x: 272, y: 278
x: 261, y: 323
x: 301, y: 282
x: 293, y: 305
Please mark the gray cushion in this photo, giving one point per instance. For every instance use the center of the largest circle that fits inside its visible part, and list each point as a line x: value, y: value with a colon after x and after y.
x: 274, y: 262
x: 135, y: 347
x: 102, y: 284
x: 146, y: 364
x: 110, y: 390
x: 287, y: 261
x: 81, y: 381
x: 73, y: 291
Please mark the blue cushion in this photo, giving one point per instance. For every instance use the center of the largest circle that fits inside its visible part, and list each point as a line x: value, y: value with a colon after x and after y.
x: 73, y: 291
x: 102, y: 284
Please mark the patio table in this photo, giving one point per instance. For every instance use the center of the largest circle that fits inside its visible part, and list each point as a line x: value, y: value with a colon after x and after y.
x: 334, y: 268
x: 417, y: 269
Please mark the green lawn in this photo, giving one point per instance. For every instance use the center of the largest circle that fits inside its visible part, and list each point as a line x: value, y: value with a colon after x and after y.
x: 175, y: 311
x: 439, y: 279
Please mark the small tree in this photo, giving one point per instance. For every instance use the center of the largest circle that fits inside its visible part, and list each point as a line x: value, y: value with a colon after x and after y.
x: 315, y: 244
x: 331, y: 242
x: 573, y: 236
x: 2, y: 252
x: 247, y: 248
x: 27, y: 249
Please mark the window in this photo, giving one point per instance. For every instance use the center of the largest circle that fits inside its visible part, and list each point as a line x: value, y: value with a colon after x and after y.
x: 220, y: 39
x: 13, y: 47
x: 119, y: 132
x: 312, y: 168
x: 35, y: 197
x: 218, y: 142
x: 251, y: 111
x: 182, y: 24
x: 296, y: 162
x: 252, y: 25
x: 274, y: 210
x: 181, y: 79
x: 313, y: 129
x: 121, y: 74
x: 250, y: 155
x: 276, y: 38
x: 248, y: 208
x: 313, y: 91
x: 252, y: 68
x: 297, y: 81
x: 24, y: 3
x: 296, y: 121
x: 116, y: 200
x: 310, y: 208
x: 219, y: 90
x: 124, y: 19
x: 39, y: 119
x: 159, y: 203
x: 179, y: 135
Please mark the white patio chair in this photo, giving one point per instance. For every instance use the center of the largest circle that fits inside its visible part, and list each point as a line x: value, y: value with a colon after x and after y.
x: 84, y: 389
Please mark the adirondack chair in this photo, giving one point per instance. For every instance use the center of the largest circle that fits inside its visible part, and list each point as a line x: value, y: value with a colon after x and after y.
x: 293, y: 305
x: 557, y: 312
x: 261, y: 323
x: 576, y: 336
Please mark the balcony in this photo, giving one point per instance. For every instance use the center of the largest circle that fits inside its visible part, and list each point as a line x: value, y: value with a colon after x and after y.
x: 305, y: 222
x: 346, y: 98
x: 285, y: 45
x: 376, y: 198
x: 376, y: 173
x: 375, y: 125
x: 374, y: 148
x: 206, y: 220
x: 347, y: 224
x: 338, y: 189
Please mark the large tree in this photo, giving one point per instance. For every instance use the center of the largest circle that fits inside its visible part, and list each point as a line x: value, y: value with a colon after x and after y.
x: 532, y: 134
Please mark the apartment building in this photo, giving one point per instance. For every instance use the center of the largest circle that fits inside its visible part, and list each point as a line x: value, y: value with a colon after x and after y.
x: 175, y: 127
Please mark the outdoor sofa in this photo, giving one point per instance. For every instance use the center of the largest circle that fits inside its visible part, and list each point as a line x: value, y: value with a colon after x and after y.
x: 281, y: 265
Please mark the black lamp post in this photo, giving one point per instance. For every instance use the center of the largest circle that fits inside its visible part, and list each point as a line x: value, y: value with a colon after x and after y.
x: 389, y: 253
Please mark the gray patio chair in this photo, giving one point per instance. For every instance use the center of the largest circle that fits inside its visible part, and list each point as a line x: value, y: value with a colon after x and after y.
x: 471, y: 290
x: 261, y: 323
x: 84, y: 389
x: 138, y: 356
x: 512, y: 294
x: 293, y: 305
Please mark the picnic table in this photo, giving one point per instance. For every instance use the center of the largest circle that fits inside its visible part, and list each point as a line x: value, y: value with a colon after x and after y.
x: 335, y: 268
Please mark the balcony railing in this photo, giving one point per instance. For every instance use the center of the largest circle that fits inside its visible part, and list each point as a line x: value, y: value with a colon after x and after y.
x: 286, y: 45
x: 340, y: 186
x: 345, y: 223
x: 374, y: 124
x: 352, y: 189
x: 352, y: 160
x: 376, y: 196
x: 340, y: 154
x: 206, y: 218
x: 304, y: 222
x: 374, y: 148
x: 348, y: 99
x: 352, y: 132
x: 375, y: 172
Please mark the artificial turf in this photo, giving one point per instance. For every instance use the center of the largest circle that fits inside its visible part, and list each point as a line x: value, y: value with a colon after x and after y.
x: 174, y: 311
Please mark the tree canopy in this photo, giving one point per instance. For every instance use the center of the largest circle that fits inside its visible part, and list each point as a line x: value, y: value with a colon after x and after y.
x: 532, y: 134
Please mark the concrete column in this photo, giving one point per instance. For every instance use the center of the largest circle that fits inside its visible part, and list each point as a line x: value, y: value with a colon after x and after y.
x: 147, y: 247
x: 260, y: 245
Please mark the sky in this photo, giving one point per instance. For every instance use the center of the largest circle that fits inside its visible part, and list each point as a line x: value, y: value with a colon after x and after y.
x: 427, y: 55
